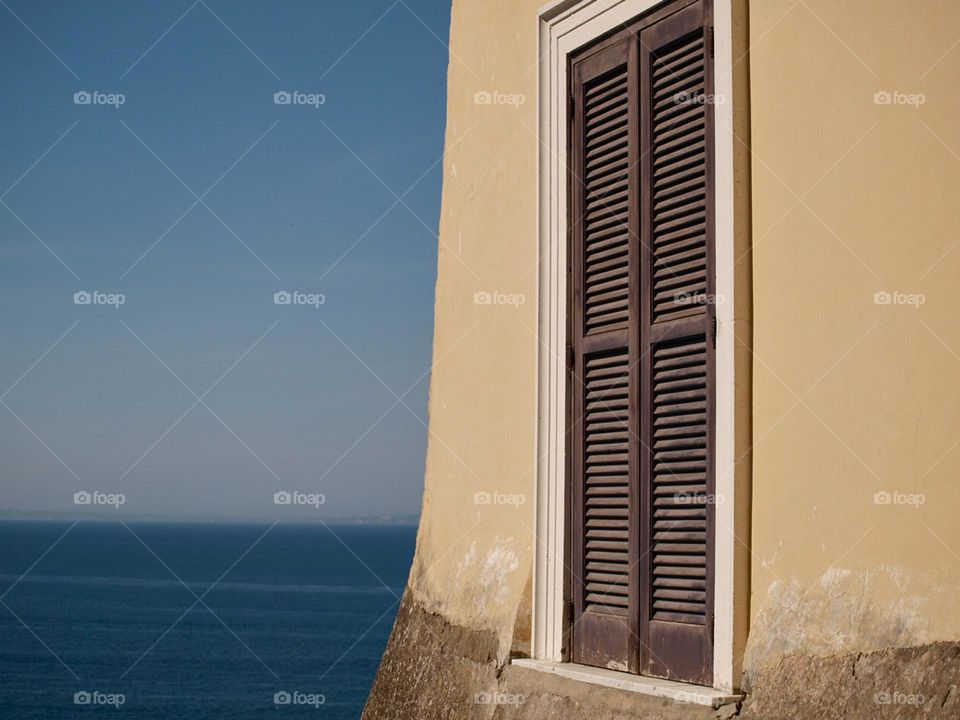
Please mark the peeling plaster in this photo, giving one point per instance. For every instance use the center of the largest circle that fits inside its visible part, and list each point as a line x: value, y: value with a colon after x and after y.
x: 847, y: 610
x: 484, y: 582
x: 500, y: 561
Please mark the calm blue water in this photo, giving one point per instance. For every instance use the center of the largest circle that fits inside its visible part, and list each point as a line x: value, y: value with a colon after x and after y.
x: 297, y: 613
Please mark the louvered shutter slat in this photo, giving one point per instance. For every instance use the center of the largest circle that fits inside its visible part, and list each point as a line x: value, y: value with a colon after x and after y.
x: 605, y: 384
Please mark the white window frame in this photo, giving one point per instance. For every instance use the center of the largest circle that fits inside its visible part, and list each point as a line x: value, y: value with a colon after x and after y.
x: 565, y: 26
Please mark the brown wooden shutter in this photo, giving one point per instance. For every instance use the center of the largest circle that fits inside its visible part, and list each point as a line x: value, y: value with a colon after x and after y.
x: 641, y: 327
x: 677, y: 326
x: 604, y: 280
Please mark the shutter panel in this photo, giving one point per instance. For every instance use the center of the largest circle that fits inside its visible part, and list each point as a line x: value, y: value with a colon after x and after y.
x: 677, y: 367
x: 604, y: 286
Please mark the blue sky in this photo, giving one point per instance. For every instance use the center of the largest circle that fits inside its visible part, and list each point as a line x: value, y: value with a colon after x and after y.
x: 339, y: 199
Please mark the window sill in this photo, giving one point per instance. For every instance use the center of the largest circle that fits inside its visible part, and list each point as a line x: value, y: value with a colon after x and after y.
x: 676, y: 691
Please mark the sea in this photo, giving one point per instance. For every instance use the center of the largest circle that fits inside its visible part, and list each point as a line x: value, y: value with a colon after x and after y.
x: 196, y: 620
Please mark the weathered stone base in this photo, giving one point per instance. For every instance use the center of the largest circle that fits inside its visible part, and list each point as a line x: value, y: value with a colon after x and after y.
x: 902, y: 683
x: 433, y: 670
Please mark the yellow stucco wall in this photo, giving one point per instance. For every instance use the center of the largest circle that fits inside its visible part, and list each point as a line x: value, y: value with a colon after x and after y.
x: 852, y: 398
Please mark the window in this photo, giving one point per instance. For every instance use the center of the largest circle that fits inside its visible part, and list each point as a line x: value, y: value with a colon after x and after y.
x: 641, y: 348
x: 635, y: 483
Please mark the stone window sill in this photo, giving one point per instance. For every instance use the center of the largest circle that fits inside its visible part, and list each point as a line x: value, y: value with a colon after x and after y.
x: 676, y: 691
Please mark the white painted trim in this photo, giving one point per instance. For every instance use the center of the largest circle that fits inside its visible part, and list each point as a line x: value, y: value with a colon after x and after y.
x: 566, y: 25
x: 724, y: 259
x: 676, y: 691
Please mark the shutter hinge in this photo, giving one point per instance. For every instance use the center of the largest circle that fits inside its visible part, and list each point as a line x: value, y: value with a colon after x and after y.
x: 710, y: 41
x: 713, y: 331
x: 570, y: 357
x: 571, y: 106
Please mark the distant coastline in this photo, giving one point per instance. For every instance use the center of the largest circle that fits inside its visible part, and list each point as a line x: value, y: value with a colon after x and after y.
x: 7, y: 515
